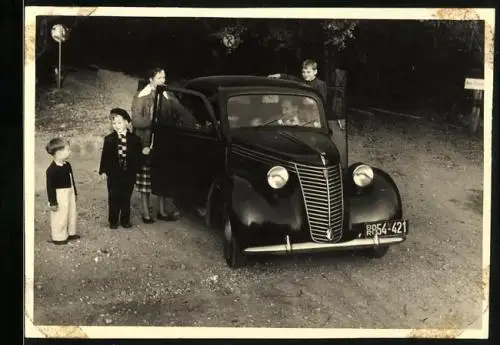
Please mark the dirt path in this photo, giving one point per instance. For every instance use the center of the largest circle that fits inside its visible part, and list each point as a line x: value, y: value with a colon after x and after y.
x: 174, y: 274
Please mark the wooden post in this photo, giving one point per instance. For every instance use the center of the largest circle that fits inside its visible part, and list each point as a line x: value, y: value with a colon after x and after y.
x: 337, y: 122
x: 476, y: 113
x: 339, y: 86
x: 477, y: 87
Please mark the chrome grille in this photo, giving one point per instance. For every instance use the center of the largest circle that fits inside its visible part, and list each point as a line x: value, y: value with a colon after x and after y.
x: 322, y: 192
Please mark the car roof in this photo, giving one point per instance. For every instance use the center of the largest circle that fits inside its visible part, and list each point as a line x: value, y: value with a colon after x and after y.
x: 208, y: 85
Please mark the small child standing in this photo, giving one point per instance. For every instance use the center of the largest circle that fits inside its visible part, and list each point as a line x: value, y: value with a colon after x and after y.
x: 61, y: 191
x: 120, y: 161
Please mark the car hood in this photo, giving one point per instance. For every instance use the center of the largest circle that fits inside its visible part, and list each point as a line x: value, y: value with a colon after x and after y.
x: 293, y: 144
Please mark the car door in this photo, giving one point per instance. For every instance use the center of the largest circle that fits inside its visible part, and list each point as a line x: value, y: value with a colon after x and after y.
x: 195, y: 148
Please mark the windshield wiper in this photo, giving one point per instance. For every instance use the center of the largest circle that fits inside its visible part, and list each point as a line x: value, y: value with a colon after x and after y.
x: 272, y: 121
x: 304, y: 124
x: 281, y: 118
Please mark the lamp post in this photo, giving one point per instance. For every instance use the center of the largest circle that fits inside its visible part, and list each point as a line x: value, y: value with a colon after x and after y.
x: 60, y: 34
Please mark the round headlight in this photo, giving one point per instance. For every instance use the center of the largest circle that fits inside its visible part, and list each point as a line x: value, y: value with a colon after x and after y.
x: 362, y: 175
x: 277, y: 177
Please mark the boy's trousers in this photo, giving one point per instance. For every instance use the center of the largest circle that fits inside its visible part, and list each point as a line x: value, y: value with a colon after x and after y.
x: 63, y: 221
x: 120, y: 188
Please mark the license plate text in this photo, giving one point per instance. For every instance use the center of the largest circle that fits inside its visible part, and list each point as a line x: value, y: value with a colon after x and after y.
x: 386, y: 228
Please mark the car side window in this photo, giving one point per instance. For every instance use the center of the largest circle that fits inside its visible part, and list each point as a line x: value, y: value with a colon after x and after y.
x: 186, y: 111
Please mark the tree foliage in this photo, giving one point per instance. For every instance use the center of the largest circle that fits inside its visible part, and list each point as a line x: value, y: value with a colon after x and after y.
x: 467, y: 34
x: 287, y: 34
x: 339, y: 32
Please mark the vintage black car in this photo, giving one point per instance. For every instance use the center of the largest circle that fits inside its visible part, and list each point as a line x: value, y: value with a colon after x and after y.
x: 259, y: 154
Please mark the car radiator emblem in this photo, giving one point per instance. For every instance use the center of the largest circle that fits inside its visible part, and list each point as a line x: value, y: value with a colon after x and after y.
x: 323, y: 158
x: 329, y: 234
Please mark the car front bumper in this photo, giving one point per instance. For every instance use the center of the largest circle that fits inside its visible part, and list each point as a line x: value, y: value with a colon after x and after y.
x: 311, y: 247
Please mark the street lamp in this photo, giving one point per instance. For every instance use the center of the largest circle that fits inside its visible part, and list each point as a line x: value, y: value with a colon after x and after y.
x: 60, y: 34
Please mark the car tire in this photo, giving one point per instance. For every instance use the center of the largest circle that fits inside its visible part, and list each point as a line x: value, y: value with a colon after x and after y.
x: 232, y: 249
x: 376, y: 253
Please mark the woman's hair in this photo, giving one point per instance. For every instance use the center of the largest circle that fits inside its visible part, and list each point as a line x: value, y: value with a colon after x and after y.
x: 55, y: 145
x: 154, y: 71
x: 150, y: 74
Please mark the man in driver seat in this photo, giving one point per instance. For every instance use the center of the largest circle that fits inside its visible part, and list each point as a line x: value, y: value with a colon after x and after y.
x: 290, y: 113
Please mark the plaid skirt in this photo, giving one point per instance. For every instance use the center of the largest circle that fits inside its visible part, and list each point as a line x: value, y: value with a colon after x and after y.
x: 143, y: 179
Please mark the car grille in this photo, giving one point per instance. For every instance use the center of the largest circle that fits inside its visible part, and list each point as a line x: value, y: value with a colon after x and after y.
x: 322, y: 192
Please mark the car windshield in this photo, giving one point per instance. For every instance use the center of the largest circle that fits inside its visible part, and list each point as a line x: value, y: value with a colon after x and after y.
x: 273, y: 110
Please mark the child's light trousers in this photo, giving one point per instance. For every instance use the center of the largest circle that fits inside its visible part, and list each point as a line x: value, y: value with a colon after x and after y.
x: 63, y: 221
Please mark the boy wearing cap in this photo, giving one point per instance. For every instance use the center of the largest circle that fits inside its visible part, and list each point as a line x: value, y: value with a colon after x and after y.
x: 120, y: 161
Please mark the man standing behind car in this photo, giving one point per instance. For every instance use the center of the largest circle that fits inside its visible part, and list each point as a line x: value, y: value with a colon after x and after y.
x: 309, y: 76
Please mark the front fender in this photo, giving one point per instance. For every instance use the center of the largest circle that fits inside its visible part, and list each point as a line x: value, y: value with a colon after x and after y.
x: 380, y: 201
x: 258, y: 213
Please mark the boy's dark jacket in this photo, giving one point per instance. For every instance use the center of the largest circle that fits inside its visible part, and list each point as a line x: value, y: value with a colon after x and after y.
x: 316, y: 83
x: 110, y: 164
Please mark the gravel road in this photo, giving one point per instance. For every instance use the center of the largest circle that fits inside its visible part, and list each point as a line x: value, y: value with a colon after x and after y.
x: 174, y: 273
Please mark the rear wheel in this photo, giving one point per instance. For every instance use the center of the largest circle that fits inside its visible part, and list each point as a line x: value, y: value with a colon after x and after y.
x: 232, y: 249
x: 376, y: 253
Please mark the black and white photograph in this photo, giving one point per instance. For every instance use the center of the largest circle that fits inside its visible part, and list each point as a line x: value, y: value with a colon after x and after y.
x: 272, y: 172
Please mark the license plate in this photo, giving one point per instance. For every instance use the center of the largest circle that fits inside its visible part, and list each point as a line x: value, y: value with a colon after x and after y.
x: 386, y: 228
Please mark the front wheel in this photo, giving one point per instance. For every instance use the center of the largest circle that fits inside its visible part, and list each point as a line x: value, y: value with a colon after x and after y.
x: 376, y: 253
x: 232, y: 249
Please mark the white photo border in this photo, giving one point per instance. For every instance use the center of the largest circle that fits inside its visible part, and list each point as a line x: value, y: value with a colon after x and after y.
x: 105, y: 332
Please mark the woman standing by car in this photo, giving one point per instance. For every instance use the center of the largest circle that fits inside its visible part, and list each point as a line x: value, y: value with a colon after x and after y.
x: 142, y: 117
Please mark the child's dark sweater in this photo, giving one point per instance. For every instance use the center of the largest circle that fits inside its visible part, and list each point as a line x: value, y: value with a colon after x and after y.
x: 318, y: 84
x: 59, y: 177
